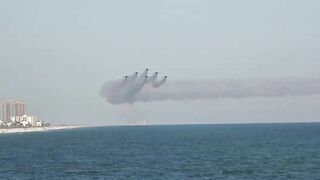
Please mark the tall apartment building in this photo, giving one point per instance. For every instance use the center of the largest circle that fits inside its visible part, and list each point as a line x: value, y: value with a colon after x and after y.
x: 12, y: 108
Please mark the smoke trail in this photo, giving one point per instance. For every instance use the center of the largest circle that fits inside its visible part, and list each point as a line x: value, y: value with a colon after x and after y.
x: 232, y: 88
x: 125, y: 90
x: 145, y: 73
x: 157, y: 84
x: 180, y: 90
x: 153, y: 78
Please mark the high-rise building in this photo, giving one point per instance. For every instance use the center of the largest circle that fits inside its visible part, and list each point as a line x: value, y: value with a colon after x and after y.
x: 12, y: 108
x: 19, y: 108
x: 6, y: 111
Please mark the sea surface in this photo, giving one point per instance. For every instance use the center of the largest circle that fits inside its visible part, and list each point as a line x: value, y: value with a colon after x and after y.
x: 242, y: 151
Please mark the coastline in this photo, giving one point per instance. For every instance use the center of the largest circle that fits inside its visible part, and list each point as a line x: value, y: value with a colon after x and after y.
x: 62, y: 127
x: 37, y: 129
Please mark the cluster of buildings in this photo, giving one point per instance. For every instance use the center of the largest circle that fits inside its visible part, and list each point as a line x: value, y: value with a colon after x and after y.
x: 13, y: 114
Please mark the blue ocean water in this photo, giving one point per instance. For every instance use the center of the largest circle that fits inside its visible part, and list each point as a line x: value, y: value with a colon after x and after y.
x: 243, y: 151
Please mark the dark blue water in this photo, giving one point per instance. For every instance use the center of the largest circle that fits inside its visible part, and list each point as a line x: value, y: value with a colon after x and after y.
x: 253, y: 151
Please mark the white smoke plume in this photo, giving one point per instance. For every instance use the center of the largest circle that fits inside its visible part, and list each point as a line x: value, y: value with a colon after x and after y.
x: 143, y: 88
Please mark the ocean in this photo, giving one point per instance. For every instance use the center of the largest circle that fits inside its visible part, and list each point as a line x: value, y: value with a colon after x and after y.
x: 231, y: 151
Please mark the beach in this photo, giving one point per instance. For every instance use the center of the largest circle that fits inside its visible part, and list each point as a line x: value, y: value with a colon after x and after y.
x: 36, y: 129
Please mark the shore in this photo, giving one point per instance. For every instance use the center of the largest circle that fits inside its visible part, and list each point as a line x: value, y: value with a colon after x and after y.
x: 37, y: 129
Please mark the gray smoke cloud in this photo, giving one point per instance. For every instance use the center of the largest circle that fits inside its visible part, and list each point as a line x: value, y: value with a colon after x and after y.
x: 127, y: 89
x: 143, y: 88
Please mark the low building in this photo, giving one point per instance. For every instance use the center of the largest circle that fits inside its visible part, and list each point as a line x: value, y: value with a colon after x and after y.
x: 15, y: 119
x: 32, y: 120
x: 25, y: 123
x: 24, y: 120
x: 19, y: 119
x: 39, y: 123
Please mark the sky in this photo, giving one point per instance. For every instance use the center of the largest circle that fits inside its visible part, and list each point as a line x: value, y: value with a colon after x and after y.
x: 56, y: 55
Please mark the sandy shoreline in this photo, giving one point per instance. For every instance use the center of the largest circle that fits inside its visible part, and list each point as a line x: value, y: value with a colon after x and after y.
x: 37, y: 129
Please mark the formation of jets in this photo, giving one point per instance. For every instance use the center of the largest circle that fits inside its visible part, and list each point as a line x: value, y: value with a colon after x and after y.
x: 146, y: 74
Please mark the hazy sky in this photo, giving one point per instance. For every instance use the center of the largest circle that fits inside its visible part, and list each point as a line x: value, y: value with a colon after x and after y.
x: 55, y: 55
